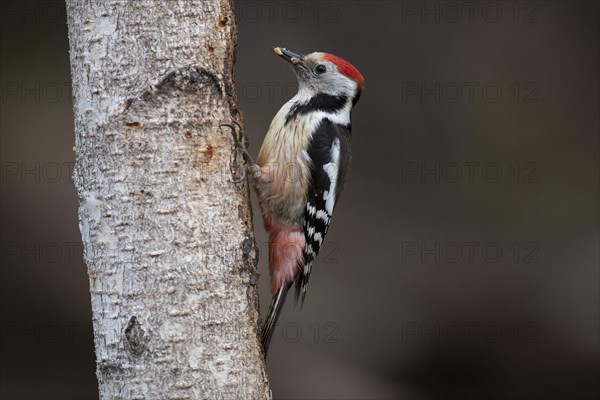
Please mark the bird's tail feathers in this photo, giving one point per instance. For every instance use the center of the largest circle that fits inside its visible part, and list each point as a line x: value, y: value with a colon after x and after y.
x: 274, y: 310
x: 302, y: 281
x: 302, y: 284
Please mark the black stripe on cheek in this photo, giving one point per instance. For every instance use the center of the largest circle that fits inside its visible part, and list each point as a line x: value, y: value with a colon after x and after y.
x: 320, y: 102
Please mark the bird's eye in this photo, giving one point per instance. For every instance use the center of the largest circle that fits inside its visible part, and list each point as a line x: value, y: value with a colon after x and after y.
x: 320, y: 69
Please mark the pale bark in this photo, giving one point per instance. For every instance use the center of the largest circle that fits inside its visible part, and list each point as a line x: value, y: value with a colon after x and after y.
x: 167, y: 232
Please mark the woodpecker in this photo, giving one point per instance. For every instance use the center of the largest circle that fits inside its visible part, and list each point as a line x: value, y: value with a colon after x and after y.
x: 301, y: 169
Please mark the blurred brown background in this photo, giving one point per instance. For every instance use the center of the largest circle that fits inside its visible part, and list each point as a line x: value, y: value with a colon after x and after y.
x: 463, y: 259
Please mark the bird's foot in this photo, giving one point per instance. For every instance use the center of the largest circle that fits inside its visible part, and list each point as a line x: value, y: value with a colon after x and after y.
x: 239, y: 141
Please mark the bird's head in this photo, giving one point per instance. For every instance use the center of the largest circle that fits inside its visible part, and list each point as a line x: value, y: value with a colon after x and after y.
x: 324, y: 73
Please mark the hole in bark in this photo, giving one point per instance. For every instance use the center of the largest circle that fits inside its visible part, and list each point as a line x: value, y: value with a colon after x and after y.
x: 134, y: 335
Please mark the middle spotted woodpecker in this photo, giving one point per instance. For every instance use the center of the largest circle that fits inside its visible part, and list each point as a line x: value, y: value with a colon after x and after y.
x: 301, y: 169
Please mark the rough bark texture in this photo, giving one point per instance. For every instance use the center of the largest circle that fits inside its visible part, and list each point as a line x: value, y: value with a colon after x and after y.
x: 167, y: 232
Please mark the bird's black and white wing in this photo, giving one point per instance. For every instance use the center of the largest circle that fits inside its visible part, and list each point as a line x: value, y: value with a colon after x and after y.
x: 330, y: 155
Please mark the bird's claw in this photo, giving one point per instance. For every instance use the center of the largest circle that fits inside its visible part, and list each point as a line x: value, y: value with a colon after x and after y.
x: 238, y: 138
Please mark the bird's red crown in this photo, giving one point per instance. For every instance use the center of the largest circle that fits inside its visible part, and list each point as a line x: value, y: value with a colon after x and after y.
x: 346, y: 68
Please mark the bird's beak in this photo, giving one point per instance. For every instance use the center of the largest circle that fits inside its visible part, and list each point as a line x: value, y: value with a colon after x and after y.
x: 289, y: 56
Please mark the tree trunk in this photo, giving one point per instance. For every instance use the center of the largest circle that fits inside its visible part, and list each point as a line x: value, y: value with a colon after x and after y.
x: 167, y: 231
